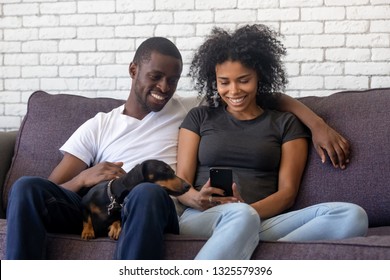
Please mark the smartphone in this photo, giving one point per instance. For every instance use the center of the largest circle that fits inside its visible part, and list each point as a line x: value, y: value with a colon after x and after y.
x: 222, y: 178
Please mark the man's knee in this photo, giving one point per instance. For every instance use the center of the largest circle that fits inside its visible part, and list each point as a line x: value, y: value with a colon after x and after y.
x: 148, y: 197
x: 25, y: 187
x: 148, y: 193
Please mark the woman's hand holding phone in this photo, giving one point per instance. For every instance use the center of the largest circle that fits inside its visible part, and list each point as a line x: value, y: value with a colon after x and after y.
x: 222, y: 178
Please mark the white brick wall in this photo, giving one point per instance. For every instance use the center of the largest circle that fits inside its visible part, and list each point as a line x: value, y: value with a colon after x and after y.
x: 84, y: 47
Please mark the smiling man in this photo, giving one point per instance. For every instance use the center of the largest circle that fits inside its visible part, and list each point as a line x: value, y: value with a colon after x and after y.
x: 103, y: 148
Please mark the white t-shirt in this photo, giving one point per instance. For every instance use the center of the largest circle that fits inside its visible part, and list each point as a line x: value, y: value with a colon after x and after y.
x: 115, y: 137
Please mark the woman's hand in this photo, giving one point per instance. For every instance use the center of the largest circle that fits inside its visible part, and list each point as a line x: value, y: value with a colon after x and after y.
x: 205, y: 198
x: 337, y: 147
x: 236, y: 193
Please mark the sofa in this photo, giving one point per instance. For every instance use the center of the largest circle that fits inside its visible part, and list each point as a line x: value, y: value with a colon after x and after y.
x: 363, y: 117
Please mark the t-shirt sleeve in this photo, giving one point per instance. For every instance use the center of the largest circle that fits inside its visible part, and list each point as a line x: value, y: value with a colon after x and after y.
x: 190, y: 102
x: 83, y: 142
x: 293, y: 128
x: 193, y: 120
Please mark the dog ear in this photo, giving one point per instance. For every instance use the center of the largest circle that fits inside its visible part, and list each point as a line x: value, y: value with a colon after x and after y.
x: 135, y: 176
x: 131, y: 179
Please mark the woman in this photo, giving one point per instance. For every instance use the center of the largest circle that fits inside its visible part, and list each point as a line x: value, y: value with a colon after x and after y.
x: 240, y: 74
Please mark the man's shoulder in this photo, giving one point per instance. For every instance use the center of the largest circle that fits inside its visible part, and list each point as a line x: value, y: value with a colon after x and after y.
x: 114, y: 113
x: 186, y: 101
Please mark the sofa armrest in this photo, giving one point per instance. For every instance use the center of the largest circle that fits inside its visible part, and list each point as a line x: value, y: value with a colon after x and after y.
x: 7, y: 145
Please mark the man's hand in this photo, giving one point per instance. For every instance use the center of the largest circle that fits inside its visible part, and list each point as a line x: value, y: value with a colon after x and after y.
x: 73, y: 174
x: 103, y: 171
x: 336, y: 146
x: 324, y: 137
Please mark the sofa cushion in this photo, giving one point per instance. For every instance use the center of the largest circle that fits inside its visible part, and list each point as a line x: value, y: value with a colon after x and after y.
x: 363, y: 117
x: 49, y: 122
x: 184, y: 247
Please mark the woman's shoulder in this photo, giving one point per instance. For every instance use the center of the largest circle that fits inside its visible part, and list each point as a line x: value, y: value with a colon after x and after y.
x: 203, y: 113
x: 281, y: 116
x: 284, y: 119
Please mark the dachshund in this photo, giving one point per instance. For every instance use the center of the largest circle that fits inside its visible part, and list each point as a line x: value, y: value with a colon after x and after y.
x: 102, y: 204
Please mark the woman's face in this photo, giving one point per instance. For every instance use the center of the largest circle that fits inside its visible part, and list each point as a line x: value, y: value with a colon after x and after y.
x: 237, y: 86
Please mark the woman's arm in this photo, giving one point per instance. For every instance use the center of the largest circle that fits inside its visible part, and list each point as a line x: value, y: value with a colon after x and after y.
x: 292, y: 165
x: 187, y: 155
x: 324, y: 137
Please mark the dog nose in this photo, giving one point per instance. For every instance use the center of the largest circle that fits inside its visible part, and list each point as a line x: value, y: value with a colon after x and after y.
x: 186, y: 187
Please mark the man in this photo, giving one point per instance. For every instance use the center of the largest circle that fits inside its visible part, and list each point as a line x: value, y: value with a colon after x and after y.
x: 109, y: 145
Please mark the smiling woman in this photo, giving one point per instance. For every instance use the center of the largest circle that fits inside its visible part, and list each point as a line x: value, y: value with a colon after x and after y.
x: 256, y: 48
x: 266, y: 150
x: 237, y: 86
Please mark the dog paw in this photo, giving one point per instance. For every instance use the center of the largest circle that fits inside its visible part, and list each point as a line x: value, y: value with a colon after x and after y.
x: 87, y: 234
x: 114, y: 230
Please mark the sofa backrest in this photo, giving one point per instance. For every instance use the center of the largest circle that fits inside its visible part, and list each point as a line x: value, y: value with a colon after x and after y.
x: 362, y: 117
x: 49, y: 122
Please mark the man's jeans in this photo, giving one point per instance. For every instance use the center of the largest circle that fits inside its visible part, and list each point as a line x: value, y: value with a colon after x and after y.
x: 37, y: 206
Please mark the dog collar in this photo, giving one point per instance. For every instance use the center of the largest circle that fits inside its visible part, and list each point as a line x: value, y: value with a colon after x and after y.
x: 114, y: 204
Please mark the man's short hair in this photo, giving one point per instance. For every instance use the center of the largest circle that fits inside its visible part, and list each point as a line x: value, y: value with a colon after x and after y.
x: 158, y: 44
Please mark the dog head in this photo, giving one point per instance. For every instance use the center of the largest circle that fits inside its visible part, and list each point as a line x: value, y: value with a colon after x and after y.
x: 159, y: 172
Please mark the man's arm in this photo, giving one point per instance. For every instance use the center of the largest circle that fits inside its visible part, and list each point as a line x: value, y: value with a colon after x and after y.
x: 324, y: 137
x: 74, y: 174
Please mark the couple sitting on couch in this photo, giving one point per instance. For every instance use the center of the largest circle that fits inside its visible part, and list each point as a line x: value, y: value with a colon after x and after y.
x: 239, y: 74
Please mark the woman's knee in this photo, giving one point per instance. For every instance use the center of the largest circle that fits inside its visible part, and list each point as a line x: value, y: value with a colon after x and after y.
x: 358, y: 219
x: 352, y: 219
x: 244, y: 214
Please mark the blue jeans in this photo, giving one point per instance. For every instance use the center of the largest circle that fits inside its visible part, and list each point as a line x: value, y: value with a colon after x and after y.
x: 232, y: 230
x: 324, y: 221
x: 234, y: 233
x: 148, y: 213
x: 37, y: 206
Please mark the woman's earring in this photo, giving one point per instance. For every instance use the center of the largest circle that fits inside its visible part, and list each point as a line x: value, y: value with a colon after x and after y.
x: 215, y: 99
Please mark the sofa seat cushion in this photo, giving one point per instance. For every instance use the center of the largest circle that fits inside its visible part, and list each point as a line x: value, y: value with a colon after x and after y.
x: 178, y: 247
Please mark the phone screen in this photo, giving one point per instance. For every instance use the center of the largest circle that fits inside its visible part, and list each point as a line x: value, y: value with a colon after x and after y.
x: 222, y: 178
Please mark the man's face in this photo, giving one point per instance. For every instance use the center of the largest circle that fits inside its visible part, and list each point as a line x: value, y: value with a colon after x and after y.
x: 155, y: 81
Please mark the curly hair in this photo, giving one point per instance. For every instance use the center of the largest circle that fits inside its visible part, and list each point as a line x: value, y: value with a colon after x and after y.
x: 256, y: 47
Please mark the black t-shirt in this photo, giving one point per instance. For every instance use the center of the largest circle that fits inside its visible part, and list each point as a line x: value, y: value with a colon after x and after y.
x: 252, y: 148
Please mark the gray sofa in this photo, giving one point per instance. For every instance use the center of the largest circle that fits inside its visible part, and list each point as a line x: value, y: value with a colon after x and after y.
x: 362, y: 116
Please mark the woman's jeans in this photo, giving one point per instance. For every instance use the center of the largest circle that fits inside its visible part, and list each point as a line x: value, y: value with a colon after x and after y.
x: 325, y: 221
x: 230, y: 228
